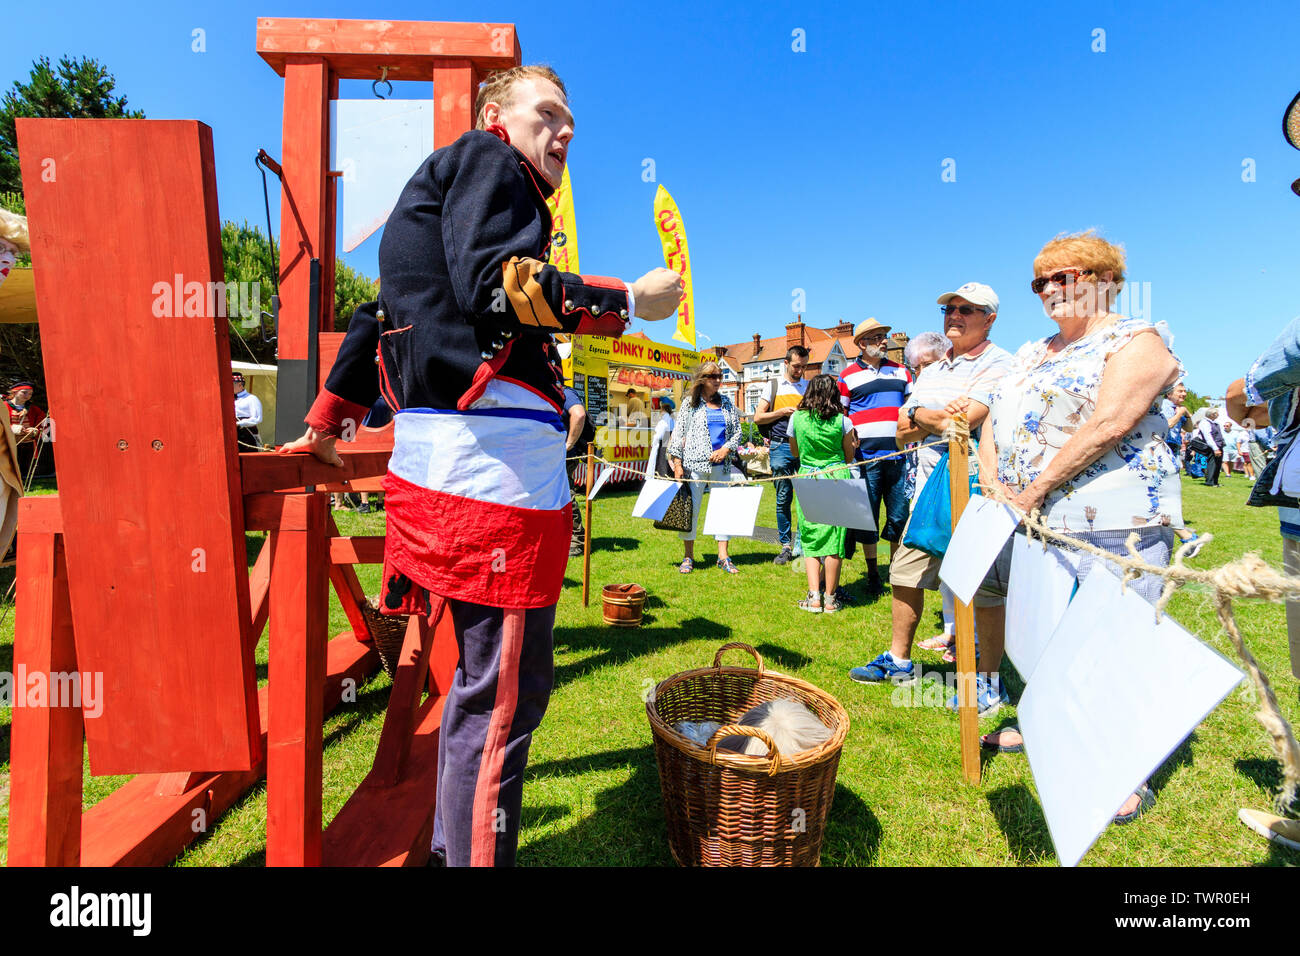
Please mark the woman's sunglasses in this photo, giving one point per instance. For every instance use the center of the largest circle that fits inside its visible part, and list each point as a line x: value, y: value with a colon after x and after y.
x: 1060, y: 278
x: 712, y: 378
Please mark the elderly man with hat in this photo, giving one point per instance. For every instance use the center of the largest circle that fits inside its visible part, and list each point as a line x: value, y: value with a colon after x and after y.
x: 961, y: 380
x: 873, y: 389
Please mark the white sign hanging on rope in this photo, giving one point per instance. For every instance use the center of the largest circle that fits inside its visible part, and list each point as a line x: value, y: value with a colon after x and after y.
x: 732, y: 511
x: 979, y: 536
x: 1114, y: 693
x: 655, y: 497
x: 1042, y: 580
x: 841, y: 502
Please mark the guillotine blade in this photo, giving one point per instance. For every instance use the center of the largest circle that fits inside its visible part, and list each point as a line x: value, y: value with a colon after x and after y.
x: 377, y: 145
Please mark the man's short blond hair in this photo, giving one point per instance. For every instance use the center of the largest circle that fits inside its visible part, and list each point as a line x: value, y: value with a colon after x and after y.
x: 499, y: 88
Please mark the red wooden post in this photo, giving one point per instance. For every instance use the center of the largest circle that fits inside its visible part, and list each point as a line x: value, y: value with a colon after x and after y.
x: 303, y: 206
x: 45, y: 811
x: 455, y: 84
x: 299, y: 621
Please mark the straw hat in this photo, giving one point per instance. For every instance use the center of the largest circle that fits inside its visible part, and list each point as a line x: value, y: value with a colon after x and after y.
x: 865, y: 326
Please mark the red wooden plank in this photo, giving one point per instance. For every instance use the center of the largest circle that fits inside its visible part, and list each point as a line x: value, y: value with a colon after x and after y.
x: 263, y: 472
x: 403, y: 702
x: 392, y: 826
x: 356, y: 49
x: 40, y: 514
x: 454, y: 87
x: 444, y: 657
x: 46, y: 741
x: 135, y: 826
x: 299, y: 618
x: 357, y: 550
x: 305, y: 139
x: 159, y: 592
x: 259, y: 587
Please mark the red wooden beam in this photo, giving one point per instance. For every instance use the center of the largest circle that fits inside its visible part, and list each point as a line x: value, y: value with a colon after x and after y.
x: 46, y: 754
x: 357, y: 550
x: 358, y: 49
x: 455, y: 83
x: 264, y: 471
x: 135, y: 825
x: 299, y: 619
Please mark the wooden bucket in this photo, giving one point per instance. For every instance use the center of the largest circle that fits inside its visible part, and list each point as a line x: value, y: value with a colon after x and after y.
x: 623, y: 604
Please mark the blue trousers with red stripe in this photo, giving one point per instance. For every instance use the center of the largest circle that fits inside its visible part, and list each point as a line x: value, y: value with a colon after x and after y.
x: 499, y: 694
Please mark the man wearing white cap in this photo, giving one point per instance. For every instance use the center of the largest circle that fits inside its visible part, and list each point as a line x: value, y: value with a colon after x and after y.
x: 962, y: 380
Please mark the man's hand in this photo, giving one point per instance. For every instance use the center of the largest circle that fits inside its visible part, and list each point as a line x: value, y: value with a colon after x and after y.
x: 789, y: 412
x: 316, y: 443
x: 658, y: 293
x: 719, y: 456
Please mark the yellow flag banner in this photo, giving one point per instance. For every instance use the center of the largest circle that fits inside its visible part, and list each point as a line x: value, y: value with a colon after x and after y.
x: 672, y: 234
x: 564, y: 228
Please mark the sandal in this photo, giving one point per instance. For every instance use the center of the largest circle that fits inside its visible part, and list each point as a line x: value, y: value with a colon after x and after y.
x: 939, y: 642
x: 727, y: 566
x: 1146, y: 800
x: 687, y: 566
x: 831, y: 605
x: 1001, y: 747
x: 813, y: 603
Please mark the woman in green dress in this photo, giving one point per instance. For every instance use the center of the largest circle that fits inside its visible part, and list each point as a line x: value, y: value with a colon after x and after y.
x: 821, y: 436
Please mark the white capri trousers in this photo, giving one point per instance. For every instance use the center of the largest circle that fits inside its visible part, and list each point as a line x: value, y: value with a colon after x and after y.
x: 720, y: 472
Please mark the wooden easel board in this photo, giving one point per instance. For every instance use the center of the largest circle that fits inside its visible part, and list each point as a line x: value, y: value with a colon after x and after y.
x: 121, y: 212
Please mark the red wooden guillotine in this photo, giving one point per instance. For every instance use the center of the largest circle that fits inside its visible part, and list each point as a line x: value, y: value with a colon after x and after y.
x: 133, y: 576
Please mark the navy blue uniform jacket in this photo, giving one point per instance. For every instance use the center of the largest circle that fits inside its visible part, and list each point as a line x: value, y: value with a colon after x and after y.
x: 465, y: 292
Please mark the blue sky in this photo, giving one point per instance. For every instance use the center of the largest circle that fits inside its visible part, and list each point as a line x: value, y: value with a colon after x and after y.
x: 821, y: 170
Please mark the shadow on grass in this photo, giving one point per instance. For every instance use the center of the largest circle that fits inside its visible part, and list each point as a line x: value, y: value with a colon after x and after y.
x: 781, y: 658
x: 1020, y: 818
x: 614, y: 544
x: 619, y: 645
x: 628, y: 826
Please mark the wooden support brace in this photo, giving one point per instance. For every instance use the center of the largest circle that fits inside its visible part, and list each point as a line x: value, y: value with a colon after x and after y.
x: 299, y: 621
x: 47, y: 751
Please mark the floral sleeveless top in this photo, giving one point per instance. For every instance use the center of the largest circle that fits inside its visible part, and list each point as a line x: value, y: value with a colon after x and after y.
x: 1042, y: 402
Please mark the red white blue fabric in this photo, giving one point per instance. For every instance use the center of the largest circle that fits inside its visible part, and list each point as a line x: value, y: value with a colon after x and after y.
x: 478, y: 501
x: 872, y: 398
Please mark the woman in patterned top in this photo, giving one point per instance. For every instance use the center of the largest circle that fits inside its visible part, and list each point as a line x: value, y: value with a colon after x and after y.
x: 706, y: 433
x: 1077, y: 432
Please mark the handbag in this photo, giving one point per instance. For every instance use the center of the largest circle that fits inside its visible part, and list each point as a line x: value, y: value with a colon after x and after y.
x: 930, y: 527
x: 680, y: 513
x: 1199, y: 445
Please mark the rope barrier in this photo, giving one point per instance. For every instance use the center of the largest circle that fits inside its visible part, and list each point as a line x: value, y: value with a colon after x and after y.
x: 1246, y: 577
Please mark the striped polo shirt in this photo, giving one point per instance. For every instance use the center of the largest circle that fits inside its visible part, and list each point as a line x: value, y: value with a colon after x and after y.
x: 872, y: 398
x: 788, y: 395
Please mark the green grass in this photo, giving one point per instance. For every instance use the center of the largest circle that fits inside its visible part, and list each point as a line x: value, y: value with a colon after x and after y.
x: 592, y: 792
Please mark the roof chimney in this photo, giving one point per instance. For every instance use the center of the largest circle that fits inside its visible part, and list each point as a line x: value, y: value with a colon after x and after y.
x: 844, y: 328
x: 758, y: 343
x: 794, y: 334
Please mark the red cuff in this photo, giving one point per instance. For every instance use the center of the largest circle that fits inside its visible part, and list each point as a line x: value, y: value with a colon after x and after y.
x: 330, y: 414
x: 606, y: 324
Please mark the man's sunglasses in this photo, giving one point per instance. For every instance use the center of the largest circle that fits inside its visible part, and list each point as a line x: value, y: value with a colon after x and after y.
x: 963, y: 309
x: 1060, y: 278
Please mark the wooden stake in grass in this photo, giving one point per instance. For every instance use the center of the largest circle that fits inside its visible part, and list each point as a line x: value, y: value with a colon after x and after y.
x: 968, y: 715
x: 586, y: 538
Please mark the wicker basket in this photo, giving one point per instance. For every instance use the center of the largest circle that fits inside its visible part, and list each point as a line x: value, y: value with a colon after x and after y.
x: 728, y: 809
x: 389, y: 632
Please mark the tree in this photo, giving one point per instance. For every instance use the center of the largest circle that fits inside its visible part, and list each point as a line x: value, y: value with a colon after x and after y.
x: 248, y: 260
x: 1195, y: 402
x: 78, y: 89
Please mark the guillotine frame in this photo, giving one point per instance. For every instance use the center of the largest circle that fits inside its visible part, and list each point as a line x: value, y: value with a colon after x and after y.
x: 149, y: 820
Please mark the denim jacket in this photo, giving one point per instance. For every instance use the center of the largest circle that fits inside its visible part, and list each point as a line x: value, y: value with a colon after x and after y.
x: 1275, y: 378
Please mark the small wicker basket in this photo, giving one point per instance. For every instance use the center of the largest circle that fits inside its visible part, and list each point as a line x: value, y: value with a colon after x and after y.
x: 728, y: 809
x: 389, y: 632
